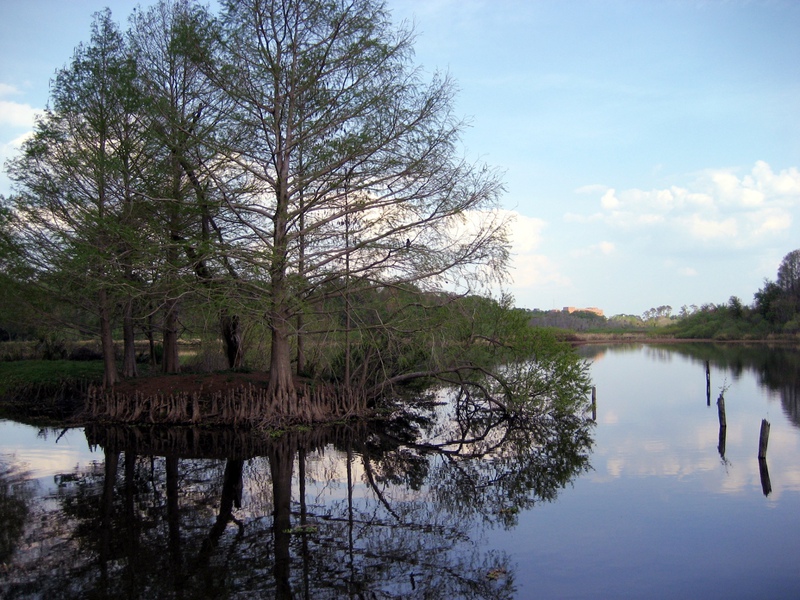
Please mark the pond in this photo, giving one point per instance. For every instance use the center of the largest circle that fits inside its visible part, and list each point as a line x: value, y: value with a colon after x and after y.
x: 652, y: 499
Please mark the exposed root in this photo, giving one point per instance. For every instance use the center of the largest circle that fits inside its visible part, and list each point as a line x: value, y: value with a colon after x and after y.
x: 242, y: 405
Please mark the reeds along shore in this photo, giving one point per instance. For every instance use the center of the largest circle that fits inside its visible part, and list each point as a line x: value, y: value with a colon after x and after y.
x: 243, y: 405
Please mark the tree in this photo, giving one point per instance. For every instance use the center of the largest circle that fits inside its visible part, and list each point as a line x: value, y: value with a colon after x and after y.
x: 348, y: 163
x: 74, y: 181
x: 789, y: 277
x: 186, y: 167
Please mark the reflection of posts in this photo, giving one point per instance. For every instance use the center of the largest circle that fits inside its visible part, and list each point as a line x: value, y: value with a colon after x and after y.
x: 723, y: 425
x: 708, y: 384
x: 594, y: 403
x: 766, y: 484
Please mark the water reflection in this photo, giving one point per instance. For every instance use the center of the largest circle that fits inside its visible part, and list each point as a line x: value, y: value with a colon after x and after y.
x: 777, y: 369
x: 352, y: 511
x: 16, y: 492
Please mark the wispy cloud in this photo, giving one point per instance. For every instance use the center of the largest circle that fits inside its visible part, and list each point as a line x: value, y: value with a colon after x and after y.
x: 8, y: 90
x: 604, y: 248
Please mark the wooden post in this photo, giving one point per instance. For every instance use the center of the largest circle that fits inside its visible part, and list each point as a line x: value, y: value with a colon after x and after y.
x: 594, y: 403
x: 723, y: 422
x: 708, y: 384
x: 763, y: 439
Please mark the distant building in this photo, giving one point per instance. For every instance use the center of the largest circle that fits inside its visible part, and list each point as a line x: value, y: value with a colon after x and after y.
x: 591, y: 309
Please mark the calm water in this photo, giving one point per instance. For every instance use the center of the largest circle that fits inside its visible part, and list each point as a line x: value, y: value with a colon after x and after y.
x: 651, y: 501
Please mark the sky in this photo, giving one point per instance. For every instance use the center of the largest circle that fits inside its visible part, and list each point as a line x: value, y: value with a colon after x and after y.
x: 650, y: 149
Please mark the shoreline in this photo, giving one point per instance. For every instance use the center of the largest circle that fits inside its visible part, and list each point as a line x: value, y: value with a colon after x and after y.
x: 581, y: 339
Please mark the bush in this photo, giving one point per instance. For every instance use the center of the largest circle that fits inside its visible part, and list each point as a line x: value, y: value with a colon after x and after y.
x: 82, y: 353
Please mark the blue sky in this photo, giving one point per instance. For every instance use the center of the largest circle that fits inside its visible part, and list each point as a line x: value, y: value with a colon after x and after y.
x: 650, y: 148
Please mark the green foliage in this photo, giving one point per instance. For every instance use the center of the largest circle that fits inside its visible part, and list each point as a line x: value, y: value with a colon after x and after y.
x: 775, y: 311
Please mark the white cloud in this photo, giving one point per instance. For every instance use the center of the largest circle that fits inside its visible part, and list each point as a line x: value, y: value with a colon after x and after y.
x: 8, y: 90
x: 8, y: 149
x: 535, y: 270
x: 785, y: 183
x: 603, y: 248
x: 687, y: 272
x: 609, y: 201
x: 719, y: 207
x: 595, y: 188
x: 14, y: 114
x: 709, y: 229
x: 578, y: 218
x: 769, y: 222
x: 526, y: 233
x: 528, y: 268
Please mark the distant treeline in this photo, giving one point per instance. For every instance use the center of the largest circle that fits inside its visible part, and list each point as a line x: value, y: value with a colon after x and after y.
x: 775, y: 312
x: 581, y: 320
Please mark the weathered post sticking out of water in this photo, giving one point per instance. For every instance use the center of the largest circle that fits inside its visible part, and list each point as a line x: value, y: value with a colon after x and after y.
x: 763, y: 439
x: 723, y: 422
x: 594, y: 403
x: 708, y: 384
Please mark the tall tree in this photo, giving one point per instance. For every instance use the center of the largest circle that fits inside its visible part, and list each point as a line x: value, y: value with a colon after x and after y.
x: 350, y: 159
x: 73, y: 189
x: 182, y: 126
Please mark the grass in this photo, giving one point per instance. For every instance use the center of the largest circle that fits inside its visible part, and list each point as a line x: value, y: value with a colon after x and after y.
x: 25, y: 374
x: 31, y: 390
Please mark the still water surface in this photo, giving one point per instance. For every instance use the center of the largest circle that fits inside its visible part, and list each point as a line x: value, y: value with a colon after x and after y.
x: 652, y: 500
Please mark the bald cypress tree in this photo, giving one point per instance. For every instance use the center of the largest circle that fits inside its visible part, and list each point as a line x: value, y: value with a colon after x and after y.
x: 349, y: 171
x: 74, y: 183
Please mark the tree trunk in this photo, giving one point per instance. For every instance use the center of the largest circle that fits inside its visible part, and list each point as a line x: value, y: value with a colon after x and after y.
x: 169, y: 361
x: 128, y: 340
x: 281, y: 383
x: 110, y: 376
x: 301, y: 346
x: 151, y: 342
x: 232, y: 338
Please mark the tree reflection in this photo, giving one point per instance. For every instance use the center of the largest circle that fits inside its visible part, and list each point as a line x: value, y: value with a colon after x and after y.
x: 776, y: 368
x: 356, y: 511
x: 16, y: 492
